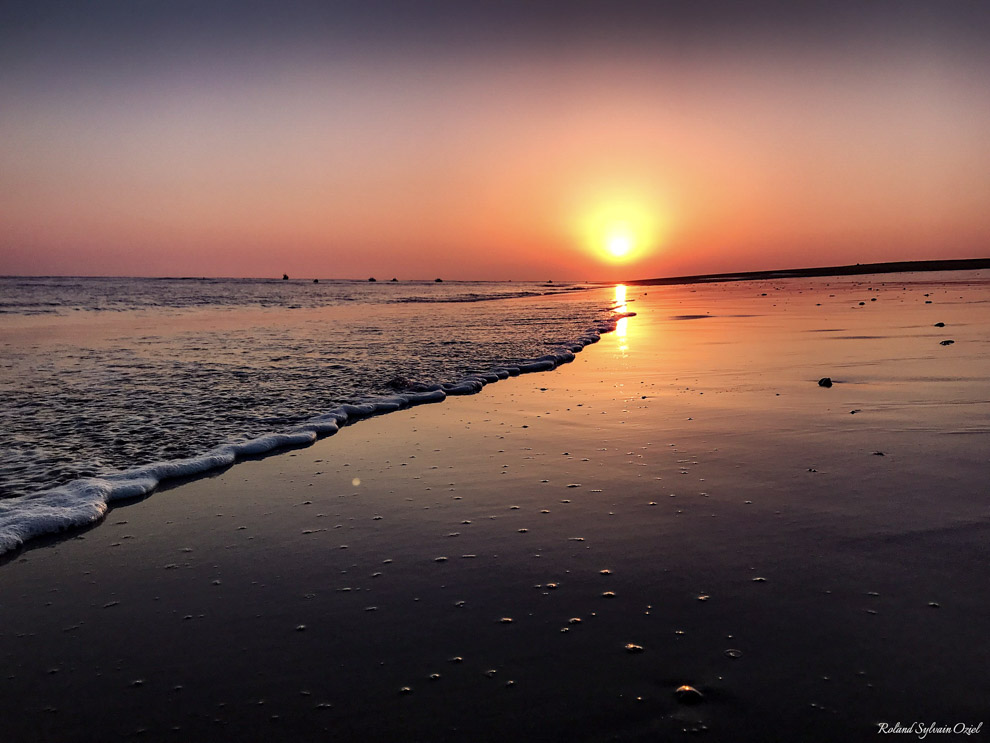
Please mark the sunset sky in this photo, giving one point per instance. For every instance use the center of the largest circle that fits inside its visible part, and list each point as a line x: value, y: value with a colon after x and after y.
x: 490, y: 140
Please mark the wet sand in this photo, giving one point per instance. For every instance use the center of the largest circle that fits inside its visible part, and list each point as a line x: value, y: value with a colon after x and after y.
x: 684, y: 486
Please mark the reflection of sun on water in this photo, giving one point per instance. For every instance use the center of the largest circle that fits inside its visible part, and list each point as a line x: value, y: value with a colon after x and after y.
x: 620, y: 306
x: 620, y: 298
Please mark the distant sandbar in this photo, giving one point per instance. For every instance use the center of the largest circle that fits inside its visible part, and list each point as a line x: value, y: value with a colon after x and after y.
x: 967, y: 264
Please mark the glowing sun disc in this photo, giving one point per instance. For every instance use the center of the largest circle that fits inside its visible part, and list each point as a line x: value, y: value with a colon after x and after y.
x: 619, y: 245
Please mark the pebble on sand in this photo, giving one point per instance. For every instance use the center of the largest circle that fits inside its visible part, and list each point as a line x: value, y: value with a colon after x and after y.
x: 633, y: 648
x: 825, y: 382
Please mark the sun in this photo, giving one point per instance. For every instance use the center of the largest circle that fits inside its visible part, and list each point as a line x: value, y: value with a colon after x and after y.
x: 619, y: 242
x: 618, y: 231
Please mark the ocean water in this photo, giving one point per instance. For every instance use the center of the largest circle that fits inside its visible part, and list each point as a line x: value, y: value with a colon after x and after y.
x: 109, y: 385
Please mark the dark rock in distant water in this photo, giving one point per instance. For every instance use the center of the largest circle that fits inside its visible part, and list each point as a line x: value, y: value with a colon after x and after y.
x: 285, y: 277
x: 438, y: 281
x: 878, y: 454
x: 939, y: 325
x: 825, y: 382
x: 394, y: 279
x: 316, y: 281
x: 372, y: 279
x: 946, y: 343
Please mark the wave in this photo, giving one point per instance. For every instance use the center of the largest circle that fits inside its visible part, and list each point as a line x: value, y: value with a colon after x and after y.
x: 86, y: 500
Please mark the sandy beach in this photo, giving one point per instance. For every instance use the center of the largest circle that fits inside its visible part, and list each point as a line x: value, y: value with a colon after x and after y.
x: 553, y: 558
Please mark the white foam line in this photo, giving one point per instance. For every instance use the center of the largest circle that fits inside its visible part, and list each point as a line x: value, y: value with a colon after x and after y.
x: 86, y: 500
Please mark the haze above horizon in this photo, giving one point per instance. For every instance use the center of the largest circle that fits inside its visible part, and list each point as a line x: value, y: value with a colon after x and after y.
x: 514, y: 140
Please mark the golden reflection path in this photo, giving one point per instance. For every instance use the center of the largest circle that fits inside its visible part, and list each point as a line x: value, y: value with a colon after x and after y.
x: 620, y: 326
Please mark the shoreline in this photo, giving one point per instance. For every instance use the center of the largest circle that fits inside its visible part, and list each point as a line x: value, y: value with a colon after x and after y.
x: 85, y: 501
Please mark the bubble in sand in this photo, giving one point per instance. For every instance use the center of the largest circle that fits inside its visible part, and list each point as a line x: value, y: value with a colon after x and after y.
x: 733, y: 653
x: 405, y: 690
x: 605, y: 572
x: 688, y: 695
x: 505, y: 620
x: 609, y: 594
x: 633, y: 648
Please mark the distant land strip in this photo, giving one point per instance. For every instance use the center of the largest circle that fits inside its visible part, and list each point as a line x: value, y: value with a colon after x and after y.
x: 965, y: 264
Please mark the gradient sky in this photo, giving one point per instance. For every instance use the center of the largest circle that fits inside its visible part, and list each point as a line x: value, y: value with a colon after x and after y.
x: 498, y: 140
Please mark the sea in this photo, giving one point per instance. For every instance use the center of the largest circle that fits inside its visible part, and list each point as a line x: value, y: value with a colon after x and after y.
x: 110, y: 385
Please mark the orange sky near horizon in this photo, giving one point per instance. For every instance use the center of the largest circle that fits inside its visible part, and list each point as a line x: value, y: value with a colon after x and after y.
x: 514, y: 163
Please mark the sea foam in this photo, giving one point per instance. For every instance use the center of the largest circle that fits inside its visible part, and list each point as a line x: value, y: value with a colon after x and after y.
x: 86, y: 500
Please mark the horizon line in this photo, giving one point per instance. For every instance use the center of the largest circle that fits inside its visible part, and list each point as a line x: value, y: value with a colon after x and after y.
x: 940, y: 264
